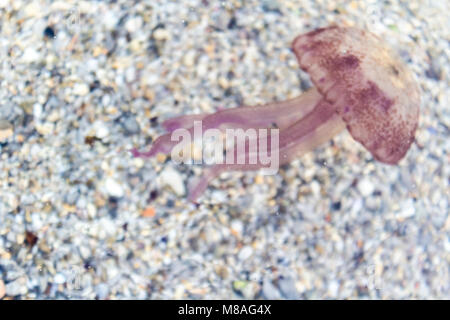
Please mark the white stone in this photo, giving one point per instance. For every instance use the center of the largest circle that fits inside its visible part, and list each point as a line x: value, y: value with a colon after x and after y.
x: 114, y: 188
x: 85, y: 252
x: 365, y: 187
x: 333, y: 289
x: 13, y: 201
x: 315, y: 187
x: 53, y: 116
x: 92, y: 65
x: 80, y: 89
x: 32, y: 9
x: 37, y: 110
x: 407, y: 209
x: 109, y: 20
x: 151, y: 80
x: 30, y: 55
x: 3, y: 4
x: 161, y: 34
x: 134, y: 24
x: 189, y: 58
x: 36, y: 220
x: 245, y: 253
x: 138, y: 162
x: 45, y: 128
x: 91, y: 210
x: 237, y: 226
x: 101, y: 130
x: 59, y: 6
x: 130, y: 74
x: 170, y: 177
x: 59, y: 278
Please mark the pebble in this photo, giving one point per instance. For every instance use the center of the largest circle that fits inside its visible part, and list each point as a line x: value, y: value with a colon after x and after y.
x: 134, y: 24
x: 366, y: 187
x: 161, y: 34
x: 85, y: 252
x: 59, y: 278
x: 114, y: 188
x: 37, y: 110
x: 30, y: 55
x: 333, y: 288
x: 13, y: 201
x: 81, y: 89
x: 245, y: 253
x: 237, y: 226
x: 189, y: 58
x: 172, y: 178
x: 109, y: 20
x: 102, y: 291
x: 45, y: 128
x: 315, y: 187
x: 130, y: 74
x: 54, y: 116
x: 124, y: 225
x: 407, y: 209
x: 101, y: 130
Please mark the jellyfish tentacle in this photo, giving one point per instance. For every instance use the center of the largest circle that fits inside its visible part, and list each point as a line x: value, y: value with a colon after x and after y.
x: 281, y: 114
x: 301, y: 137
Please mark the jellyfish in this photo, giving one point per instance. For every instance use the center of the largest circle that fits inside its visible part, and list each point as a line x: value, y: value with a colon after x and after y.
x: 360, y: 85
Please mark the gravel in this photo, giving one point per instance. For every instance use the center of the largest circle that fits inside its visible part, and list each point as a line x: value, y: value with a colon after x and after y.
x: 82, y: 83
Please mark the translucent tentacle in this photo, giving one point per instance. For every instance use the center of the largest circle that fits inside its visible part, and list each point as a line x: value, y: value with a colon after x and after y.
x: 301, y: 137
x: 281, y: 114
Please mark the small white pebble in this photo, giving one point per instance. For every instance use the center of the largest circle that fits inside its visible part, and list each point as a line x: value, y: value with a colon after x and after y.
x: 85, y: 252
x: 109, y: 20
x: 130, y: 74
x: 365, y: 187
x: 333, y: 289
x: 114, y: 188
x: 237, y: 226
x: 245, y: 253
x: 189, y: 58
x: 3, y: 4
x: 134, y: 24
x: 45, y: 128
x: 315, y: 187
x: 81, y: 89
x: 161, y: 34
x: 101, y: 130
x: 91, y: 210
x: 407, y: 209
x: 170, y: 177
x: 30, y: 55
x: 37, y: 110
x: 59, y: 278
